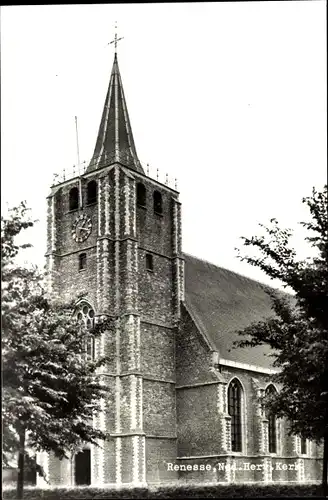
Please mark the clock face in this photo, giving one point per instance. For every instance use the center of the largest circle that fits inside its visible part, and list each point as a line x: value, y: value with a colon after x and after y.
x: 82, y: 227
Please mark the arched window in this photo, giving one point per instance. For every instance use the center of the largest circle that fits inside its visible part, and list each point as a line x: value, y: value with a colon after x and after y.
x: 272, y: 421
x: 234, y: 410
x: 91, y: 192
x: 158, y: 204
x: 74, y: 198
x: 85, y: 313
x: 141, y: 195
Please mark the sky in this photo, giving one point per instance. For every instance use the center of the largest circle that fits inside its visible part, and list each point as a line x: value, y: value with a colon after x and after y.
x: 229, y: 98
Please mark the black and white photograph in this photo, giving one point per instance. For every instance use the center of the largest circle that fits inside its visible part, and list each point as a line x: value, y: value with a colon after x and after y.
x: 164, y: 244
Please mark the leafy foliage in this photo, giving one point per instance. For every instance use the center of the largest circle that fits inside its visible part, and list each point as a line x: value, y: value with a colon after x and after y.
x: 51, y: 391
x: 298, y: 332
x: 175, y: 491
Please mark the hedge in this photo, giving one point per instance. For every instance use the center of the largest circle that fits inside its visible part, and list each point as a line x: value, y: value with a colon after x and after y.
x: 178, y: 491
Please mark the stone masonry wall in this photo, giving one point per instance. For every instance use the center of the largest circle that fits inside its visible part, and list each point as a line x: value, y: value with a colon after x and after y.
x: 159, y: 453
x: 193, y: 355
x: 157, y: 351
x: 198, y: 421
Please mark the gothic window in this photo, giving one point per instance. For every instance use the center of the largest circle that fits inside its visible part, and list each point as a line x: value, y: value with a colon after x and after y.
x: 149, y: 262
x: 74, y: 198
x: 141, y: 195
x: 272, y: 423
x: 85, y: 313
x: 82, y: 261
x: 234, y: 410
x: 83, y: 467
x: 91, y: 192
x: 158, y: 205
x: 303, y: 446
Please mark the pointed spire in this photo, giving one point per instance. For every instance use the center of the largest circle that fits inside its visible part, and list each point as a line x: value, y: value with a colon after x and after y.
x: 115, y: 140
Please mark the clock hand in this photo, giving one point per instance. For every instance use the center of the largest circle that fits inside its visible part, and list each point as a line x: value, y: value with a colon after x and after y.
x: 83, y: 229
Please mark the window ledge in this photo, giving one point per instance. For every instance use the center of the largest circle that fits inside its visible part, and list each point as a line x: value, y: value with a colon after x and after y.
x: 141, y: 206
x: 91, y: 204
x: 150, y: 270
x: 159, y: 214
x: 82, y: 270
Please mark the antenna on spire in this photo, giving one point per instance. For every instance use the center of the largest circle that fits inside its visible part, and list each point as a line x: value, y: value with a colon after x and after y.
x: 116, y: 39
x: 78, y: 163
x: 77, y: 144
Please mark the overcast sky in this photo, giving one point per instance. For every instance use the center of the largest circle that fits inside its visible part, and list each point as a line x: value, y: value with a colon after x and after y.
x: 230, y: 98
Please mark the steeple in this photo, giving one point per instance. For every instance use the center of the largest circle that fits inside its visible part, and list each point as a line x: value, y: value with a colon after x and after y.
x: 115, y: 140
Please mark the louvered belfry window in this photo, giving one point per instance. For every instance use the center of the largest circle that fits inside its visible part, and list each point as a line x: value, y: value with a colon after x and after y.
x: 158, y: 203
x: 74, y: 198
x: 91, y: 193
x: 234, y: 410
x: 141, y: 195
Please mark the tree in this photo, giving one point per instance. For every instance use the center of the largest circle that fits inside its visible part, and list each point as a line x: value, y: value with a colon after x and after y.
x: 298, y: 332
x: 51, y: 391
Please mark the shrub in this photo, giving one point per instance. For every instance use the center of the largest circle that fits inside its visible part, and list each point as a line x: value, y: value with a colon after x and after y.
x: 168, y: 491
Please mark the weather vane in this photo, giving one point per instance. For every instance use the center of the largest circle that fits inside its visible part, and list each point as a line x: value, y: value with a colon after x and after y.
x: 115, y: 39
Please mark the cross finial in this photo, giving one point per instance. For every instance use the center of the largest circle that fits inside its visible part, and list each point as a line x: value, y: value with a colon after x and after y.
x: 116, y: 39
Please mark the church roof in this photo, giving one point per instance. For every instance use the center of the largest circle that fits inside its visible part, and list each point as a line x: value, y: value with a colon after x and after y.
x: 222, y: 302
x: 115, y: 141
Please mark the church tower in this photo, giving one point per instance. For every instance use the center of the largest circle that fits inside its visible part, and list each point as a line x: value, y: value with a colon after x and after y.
x: 114, y: 244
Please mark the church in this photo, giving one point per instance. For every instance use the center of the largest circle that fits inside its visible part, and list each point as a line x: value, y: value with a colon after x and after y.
x: 182, y: 404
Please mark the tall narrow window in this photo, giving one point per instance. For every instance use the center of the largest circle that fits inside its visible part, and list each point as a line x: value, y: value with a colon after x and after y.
x: 83, y: 467
x: 141, y: 195
x: 74, y: 198
x: 158, y: 204
x: 234, y: 410
x: 303, y: 446
x: 82, y: 261
x: 91, y: 192
x: 272, y: 423
x: 149, y: 262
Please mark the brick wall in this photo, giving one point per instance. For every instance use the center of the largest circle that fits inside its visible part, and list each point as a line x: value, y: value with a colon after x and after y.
x: 155, y: 288
x: 154, y: 231
x: 157, y: 351
x: 160, y: 452
x: 159, y: 413
x: 193, y: 356
x: 198, y: 421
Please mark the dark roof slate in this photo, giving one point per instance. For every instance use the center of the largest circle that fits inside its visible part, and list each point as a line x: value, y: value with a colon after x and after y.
x: 222, y: 302
x: 115, y: 141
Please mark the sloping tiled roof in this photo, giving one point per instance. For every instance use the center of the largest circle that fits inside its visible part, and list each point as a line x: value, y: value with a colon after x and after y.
x: 222, y: 302
x: 115, y: 141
